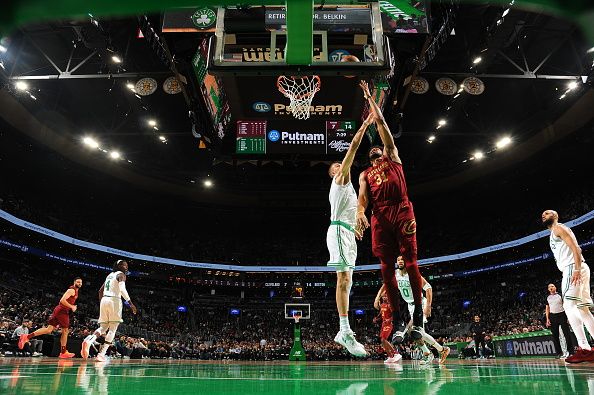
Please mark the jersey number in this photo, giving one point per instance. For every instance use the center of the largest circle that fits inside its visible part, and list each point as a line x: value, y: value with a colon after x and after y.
x: 107, y: 285
x: 405, y: 293
x: 379, y: 178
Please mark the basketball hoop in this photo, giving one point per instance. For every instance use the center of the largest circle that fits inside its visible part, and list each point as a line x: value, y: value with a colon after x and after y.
x: 301, y: 91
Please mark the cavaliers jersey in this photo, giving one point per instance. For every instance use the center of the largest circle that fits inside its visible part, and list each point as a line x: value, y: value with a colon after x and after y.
x: 387, y: 185
x: 111, y: 287
x: 71, y: 300
x: 561, y: 252
x: 386, y: 312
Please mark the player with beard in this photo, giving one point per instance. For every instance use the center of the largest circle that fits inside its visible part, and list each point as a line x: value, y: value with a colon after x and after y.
x: 59, y: 318
x: 393, y: 224
x: 575, y: 285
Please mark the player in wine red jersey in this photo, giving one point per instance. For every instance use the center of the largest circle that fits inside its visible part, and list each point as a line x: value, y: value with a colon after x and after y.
x: 393, y: 224
x: 381, y: 303
x: 59, y: 318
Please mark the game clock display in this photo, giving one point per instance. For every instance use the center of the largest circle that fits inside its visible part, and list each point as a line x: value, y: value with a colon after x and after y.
x: 279, y: 137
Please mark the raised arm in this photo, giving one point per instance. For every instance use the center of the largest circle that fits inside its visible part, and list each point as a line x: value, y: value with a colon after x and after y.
x: 344, y: 176
x: 64, y: 300
x: 390, y: 149
x: 376, y: 302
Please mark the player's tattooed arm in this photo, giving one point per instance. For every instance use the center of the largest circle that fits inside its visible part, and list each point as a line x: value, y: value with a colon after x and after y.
x: 390, y: 149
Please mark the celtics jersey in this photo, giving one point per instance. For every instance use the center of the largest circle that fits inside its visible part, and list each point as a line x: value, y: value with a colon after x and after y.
x: 111, y: 286
x: 561, y: 252
x: 404, y: 287
x: 343, y: 203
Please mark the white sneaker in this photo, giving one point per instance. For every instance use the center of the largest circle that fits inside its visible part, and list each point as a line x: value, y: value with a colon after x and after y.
x: 347, y: 340
x: 101, y: 358
x: 427, y: 359
x: 37, y: 354
x: 394, y: 359
x: 565, y: 355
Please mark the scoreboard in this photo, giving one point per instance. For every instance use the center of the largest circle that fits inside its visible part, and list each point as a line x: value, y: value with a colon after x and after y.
x: 287, y: 137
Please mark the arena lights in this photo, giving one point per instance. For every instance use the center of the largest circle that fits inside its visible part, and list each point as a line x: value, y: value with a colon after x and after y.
x: 21, y: 85
x: 477, y: 60
x: 152, y: 122
x: 442, y: 122
x: 163, y: 139
x: 208, y: 183
x: 591, y: 50
x: 457, y: 95
x: 116, y: 59
x: 115, y: 155
x: 572, y: 85
x: 505, y: 13
x: 130, y: 86
x: 478, y: 155
x: 431, y: 139
x: 91, y: 142
x: 504, y: 142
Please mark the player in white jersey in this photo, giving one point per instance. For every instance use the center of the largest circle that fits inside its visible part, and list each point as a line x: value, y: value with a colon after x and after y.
x: 406, y: 293
x: 575, y: 286
x: 341, y: 237
x: 110, y: 310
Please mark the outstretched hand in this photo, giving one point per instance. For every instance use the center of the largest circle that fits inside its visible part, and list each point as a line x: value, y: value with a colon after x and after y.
x: 365, y: 87
x: 576, y: 278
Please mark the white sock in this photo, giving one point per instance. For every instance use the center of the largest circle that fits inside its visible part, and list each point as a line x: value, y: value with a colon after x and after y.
x: 91, y: 338
x: 425, y: 349
x: 432, y: 342
x: 344, y: 323
x: 575, y: 320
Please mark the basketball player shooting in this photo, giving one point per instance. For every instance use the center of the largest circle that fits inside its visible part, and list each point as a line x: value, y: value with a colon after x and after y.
x: 110, y: 310
x: 341, y: 237
x: 393, y: 225
x: 576, y: 284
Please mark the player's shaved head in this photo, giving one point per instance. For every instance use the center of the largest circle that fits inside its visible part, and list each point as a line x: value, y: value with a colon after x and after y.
x: 549, y: 218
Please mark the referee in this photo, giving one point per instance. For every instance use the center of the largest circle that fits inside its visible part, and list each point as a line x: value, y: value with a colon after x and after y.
x: 556, y: 317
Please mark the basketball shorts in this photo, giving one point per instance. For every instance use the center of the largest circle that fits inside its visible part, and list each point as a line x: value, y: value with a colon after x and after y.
x: 342, y: 246
x: 411, y: 309
x: 393, y: 232
x: 110, y: 310
x: 386, y: 331
x: 60, y: 318
x: 580, y: 293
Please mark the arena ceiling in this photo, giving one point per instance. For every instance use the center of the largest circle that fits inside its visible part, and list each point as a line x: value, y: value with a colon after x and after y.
x: 536, y: 69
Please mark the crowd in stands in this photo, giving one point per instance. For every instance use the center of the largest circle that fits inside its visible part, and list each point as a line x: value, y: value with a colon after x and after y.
x: 509, y: 302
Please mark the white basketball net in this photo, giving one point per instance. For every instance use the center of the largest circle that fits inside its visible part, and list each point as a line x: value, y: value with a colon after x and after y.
x: 301, y: 91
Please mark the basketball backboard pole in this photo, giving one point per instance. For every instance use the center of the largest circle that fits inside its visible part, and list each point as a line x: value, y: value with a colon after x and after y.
x: 299, y: 48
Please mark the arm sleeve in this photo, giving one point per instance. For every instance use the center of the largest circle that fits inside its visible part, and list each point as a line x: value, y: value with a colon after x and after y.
x: 426, y: 286
x: 124, y: 291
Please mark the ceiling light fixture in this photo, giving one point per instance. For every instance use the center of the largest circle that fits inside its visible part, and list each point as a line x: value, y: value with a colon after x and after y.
x: 504, y: 142
x: 91, y: 142
x: 477, y: 60
x: 152, y: 122
x: 478, y: 155
x: 208, y: 183
x: 116, y: 59
x: 114, y: 155
x: 21, y: 85
x: 572, y: 85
